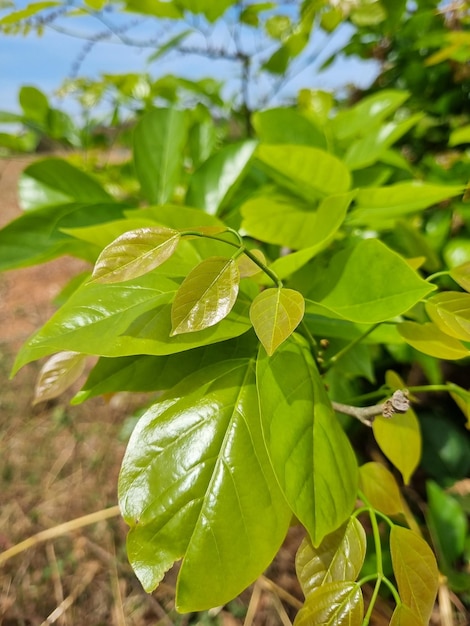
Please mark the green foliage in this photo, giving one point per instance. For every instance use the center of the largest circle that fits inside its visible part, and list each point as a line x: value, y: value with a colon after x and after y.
x: 259, y: 282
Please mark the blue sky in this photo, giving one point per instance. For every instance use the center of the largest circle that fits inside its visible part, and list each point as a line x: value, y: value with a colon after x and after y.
x: 46, y: 61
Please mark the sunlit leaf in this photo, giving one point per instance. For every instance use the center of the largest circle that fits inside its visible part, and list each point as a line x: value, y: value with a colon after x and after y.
x: 135, y: 253
x: 333, y: 604
x: 30, y: 10
x: 353, y: 284
x: 339, y: 557
x: 58, y: 374
x: 247, y: 267
x: 399, y: 437
x: 404, y: 616
x: 195, y: 482
x: 159, y: 138
x: 461, y: 275
x: 156, y: 8
x: 311, y: 456
x: 275, y: 314
x: 428, y: 338
x: 415, y: 569
x: 283, y: 125
x: 380, y: 488
x: 450, y: 311
x: 206, y: 296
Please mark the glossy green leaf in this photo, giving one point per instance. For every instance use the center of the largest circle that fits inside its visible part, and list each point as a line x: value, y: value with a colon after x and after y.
x: 275, y: 313
x: 36, y: 236
x: 309, y: 172
x: 461, y: 275
x: 54, y: 181
x: 284, y: 221
x: 195, y: 483
x: 415, y: 571
x: 404, y: 616
x: 104, y: 234
x: 135, y: 253
x: 339, y: 557
x: 370, y: 148
x: 428, y: 338
x: 125, y: 319
x: 369, y: 112
x: 384, y: 203
x: 333, y: 604
x: 450, y: 311
x: 206, y: 295
x: 312, y: 457
x: 353, y: 284
x: 448, y: 525
x: 58, y: 374
x: 158, y: 373
x: 288, y: 126
x: 380, y: 488
x: 212, y: 185
x: 159, y: 139
x: 399, y: 437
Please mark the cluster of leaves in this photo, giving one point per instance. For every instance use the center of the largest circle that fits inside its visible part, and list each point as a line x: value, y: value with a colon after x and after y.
x: 264, y: 281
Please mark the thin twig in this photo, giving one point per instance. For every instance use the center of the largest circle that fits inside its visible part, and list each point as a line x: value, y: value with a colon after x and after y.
x: 57, y: 531
x: 397, y: 403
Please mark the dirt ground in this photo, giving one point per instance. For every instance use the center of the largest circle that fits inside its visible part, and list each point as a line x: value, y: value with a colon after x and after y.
x: 60, y: 462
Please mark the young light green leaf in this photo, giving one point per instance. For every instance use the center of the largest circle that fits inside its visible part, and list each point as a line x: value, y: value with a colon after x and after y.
x: 310, y: 453
x: 399, y: 439
x: 415, y: 571
x: 58, y: 374
x: 247, y: 267
x: 380, y: 488
x: 353, y: 285
x: 430, y: 339
x: 275, y: 314
x: 461, y: 275
x: 450, y: 311
x: 206, y: 295
x: 461, y: 398
x: 195, y: 483
x: 404, y: 616
x: 135, y: 253
x: 284, y: 125
x: 159, y: 139
x: 339, y: 557
x: 333, y: 604
x: 307, y: 171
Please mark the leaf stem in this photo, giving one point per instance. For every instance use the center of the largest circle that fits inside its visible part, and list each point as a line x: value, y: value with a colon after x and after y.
x: 335, y: 358
x: 397, y: 403
x: 437, y: 274
x: 372, y: 602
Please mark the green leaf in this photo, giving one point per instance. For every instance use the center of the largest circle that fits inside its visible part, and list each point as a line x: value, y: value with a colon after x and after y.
x: 428, y: 338
x: 36, y: 236
x: 288, y: 222
x: 333, y: 604
x: 461, y: 275
x: 206, y: 295
x: 448, y: 525
x: 275, y: 314
x: 210, y: 9
x: 399, y: 437
x: 288, y: 126
x: 311, y: 456
x: 450, y: 311
x: 353, y: 284
x: 34, y: 104
x: 369, y: 149
x: 212, y: 185
x: 459, y: 136
x: 309, y: 172
x: 404, y: 616
x: 357, y: 120
x: 58, y: 374
x: 380, y: 488
x: 415, y: 571
x: 156, y: 8
x: 169, y: 46
x: 158, y: 373
x: 375, y: 204
x: 30, y: 10
x: 135, y: 253
x: 131, y: 318
x: 339, y: 557
x: 159, y: 140
x: 54, y: 181
x: 195, y: 483
x: 461, y: 398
